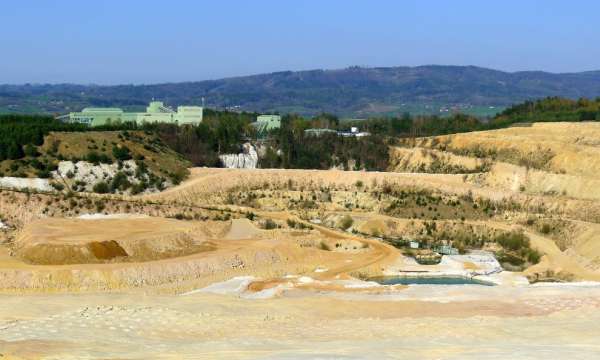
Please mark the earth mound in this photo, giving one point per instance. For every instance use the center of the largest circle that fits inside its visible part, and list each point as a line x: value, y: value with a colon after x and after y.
x: 59, y: 241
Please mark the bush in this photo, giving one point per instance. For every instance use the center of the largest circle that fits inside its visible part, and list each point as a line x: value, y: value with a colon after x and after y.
x: 99, y: 205
x: 511, y: 259
x: 324, y: 246
x: 57, y: 186
x: 270, y: 224
x: 177, y: 177
x: 534, y: 256
x: 297, y: 225
x: 43, y: 174
x: 30, y: 150
x: 138, y: 188
x: 101, y: 188
x: 546, y: 228
x: 346, y: 222
x: 514, y: 240
x: 121, y: 153
x: 120, y: 182
x: 97, y: 158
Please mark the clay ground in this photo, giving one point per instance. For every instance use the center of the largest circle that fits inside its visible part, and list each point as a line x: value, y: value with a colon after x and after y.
x: 206, y: 326
x: 132, y: 287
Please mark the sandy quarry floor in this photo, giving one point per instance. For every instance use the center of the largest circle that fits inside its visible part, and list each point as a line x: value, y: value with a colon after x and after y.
x: 174, y: 298
x: 304, y: 326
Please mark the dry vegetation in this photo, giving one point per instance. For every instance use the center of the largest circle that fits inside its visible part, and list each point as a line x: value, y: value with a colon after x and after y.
x: 300, y: 219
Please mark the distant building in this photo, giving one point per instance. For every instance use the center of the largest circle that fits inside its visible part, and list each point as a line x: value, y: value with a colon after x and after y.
x: 319, y: 132
x: 155, y: 112
x: 352, y: 133
x: 265, y: 123
x: 446, y: 250
x: 414, y: 244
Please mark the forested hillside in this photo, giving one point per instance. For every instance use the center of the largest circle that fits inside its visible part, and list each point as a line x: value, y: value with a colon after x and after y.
x: 351, y: 92
x: 223, y: 132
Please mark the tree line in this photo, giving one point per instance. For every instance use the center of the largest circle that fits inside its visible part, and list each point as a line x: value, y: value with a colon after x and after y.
x: 20, y: 133
x: 290, y: 146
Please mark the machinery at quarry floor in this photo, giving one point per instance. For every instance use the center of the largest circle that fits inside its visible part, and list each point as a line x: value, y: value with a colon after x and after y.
x: 448, y: 255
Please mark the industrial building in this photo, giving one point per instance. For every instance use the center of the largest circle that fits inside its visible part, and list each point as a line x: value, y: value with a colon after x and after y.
x: 155, y: 112
x: 265, y: 123
x: 352, y: 133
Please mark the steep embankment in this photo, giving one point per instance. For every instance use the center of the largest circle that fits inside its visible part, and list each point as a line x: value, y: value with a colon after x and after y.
x: 424, y: 160
x: 61, y: 241
x: 556, y: 162
x: 540, y: 159
x: 98, y: 161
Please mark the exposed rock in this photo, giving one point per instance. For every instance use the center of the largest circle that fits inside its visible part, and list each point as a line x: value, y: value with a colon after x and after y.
x: 91, y: 174
x: 247, y: 159
x: 25, y: 183
x: 82, y: 175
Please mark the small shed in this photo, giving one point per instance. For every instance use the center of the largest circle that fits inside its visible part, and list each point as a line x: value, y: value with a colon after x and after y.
x: 446, y: 250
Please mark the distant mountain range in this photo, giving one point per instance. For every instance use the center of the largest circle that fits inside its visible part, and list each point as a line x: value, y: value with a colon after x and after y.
x: 354, y: 91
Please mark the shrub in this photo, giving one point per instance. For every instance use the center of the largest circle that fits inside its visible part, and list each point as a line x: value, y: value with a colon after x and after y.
x: 121, y: 153
x: 346, y: 222
x: 30, y: 150
x: 138, y: 188
x: 97, y: 158
x: 44, y: 174
x: 297, y: 225
x: 57, y: 186
x: 270, y: 224
x: 72, y: 203
x: 534, y: 256
x: 101, y: 187
x: 514, y: 240
x: 177, y: 177
x: 324, y: 246
x: 511, y: 259
x: 120, y: 182
x: 99, y: 205
x: 545, y: 229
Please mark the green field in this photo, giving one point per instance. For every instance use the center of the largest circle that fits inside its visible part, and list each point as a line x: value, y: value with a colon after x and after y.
x: 442, y: 110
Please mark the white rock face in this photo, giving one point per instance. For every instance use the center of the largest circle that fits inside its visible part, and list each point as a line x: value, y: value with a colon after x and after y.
x: 92, y: 174
x: 25, y: 183
x: 247, y: 159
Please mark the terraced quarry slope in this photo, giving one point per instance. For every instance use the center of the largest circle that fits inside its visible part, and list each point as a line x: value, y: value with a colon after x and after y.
x: 174, y: 273
x: 358, y: 207
x: 543, y: 158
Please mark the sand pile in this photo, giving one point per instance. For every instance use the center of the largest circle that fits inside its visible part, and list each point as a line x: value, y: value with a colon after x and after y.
x: 60, y: 241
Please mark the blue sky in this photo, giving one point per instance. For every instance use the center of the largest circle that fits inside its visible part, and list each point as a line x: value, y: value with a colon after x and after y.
x: 121, y: 42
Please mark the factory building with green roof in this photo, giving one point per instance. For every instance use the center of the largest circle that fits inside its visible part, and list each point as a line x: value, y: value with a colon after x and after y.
x: 266, y: 123
x: 156, y: 112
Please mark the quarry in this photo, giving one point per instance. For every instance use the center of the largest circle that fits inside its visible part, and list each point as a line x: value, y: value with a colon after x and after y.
x: 497, y: 231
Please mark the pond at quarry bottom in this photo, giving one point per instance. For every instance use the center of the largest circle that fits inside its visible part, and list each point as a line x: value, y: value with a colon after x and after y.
x: 428, y: 280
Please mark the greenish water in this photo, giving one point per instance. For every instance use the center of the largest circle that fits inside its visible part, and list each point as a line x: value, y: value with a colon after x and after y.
x: 425, y: 280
